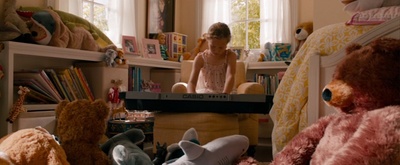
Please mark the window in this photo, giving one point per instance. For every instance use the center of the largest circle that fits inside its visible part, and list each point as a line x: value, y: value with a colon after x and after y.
x: 253, y: 22
x: 245, y: 23
x: 95, y: 11
x: 113, y: 17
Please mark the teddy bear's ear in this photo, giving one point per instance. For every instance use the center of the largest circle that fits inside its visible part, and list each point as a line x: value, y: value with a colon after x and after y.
x: 60, y: 107
x: 102, y: 108
x: 352, y: 47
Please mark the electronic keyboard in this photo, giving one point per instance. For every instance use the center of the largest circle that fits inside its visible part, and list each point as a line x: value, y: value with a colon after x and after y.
x: 189, y: 102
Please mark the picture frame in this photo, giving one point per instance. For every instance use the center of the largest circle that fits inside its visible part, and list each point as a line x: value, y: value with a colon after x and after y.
x: 160, y: 16
x: 151, y: 48
x: 129, y: 45
x: 239, y: 51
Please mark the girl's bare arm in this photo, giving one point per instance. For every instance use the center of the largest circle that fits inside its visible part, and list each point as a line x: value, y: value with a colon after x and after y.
x: 230, y: 73
x: 194, y: 75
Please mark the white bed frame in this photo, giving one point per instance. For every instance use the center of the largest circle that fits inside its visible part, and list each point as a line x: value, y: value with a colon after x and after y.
x: 321, y: 68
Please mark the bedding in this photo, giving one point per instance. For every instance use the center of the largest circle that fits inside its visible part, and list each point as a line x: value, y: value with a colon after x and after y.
x: 289, y: 111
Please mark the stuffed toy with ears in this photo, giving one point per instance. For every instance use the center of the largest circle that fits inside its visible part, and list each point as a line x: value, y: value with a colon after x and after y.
x: 302, y: 31
x: 122, y: 148
x: 365, y: 91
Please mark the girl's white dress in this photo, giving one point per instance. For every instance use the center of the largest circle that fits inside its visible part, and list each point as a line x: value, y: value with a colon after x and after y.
x: 211, y: 77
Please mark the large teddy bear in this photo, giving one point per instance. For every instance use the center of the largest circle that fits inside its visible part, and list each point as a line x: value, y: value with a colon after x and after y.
x: 365, y: 90
x: 31, y: 146
x: 80, y: 126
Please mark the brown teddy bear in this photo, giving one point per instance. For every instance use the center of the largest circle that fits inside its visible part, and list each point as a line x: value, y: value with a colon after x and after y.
x: 301, y: 33
x: 31, y: 146
x: 80, y: 126
x: 200, y: 47
x: 365, y: 91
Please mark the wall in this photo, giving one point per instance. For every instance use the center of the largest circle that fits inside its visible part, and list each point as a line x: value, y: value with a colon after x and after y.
x: 328, y: 12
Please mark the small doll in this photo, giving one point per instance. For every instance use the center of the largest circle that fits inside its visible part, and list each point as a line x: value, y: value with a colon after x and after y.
x: 163, y: 47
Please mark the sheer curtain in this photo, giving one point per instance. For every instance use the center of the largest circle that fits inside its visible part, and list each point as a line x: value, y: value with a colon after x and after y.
x: 213, y: 11
x: 121, y: 16
x: 280, y: 16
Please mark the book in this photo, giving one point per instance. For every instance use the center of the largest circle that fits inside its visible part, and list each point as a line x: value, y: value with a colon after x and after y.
x: 76, y: 83
x: 84, y: 83
x: 34, y: 85
x: 42, y: 79
x: 66, y: 77
x: 56, y: 81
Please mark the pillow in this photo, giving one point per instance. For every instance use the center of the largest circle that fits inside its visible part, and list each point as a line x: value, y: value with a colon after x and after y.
x: 374, y: 16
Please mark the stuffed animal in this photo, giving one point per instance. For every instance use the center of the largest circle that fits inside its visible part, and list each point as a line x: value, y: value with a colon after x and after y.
x: 80, y: 126
x: 353, y: 6
x: 224, y: 150
x: 120, y: 59
x: 11, y: 25
x: 201, y: 46
x: 109, y: 57
x: 31, y: 146
x: 122, y: 148
x: 365, y: 91
x: 303, y: 30
x: 18, y: 106
x: 48, y: 29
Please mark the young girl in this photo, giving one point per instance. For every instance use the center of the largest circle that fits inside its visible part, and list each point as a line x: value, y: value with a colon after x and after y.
x: 214, y: 69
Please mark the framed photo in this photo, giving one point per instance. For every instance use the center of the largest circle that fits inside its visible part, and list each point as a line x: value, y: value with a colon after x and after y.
x: 239, y: 52
x: 129, y: 45
x: 151, y: 48
x: 160, y: 16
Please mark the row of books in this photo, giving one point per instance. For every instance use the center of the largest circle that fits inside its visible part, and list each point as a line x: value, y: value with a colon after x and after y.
x: 49, y: 86
x: 270, y: 82
x: 134, y: 79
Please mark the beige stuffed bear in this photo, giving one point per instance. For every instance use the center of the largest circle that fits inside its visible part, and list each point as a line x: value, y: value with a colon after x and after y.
x: 31, y: 146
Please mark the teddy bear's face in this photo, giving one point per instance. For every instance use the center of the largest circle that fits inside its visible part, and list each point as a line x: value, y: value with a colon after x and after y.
x: 367, y: 78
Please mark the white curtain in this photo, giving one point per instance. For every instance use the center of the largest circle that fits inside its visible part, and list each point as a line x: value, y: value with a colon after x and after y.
x: 281, y: 16
x: 121, y: 16
x: 213, y: 11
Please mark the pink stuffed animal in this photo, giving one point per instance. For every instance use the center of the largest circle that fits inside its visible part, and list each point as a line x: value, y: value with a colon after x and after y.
x: 365, y: 91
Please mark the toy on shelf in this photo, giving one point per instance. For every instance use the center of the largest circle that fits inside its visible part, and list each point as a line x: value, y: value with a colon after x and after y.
x: 113, y: 94
x: 163, y: 45
x: 18, y: 106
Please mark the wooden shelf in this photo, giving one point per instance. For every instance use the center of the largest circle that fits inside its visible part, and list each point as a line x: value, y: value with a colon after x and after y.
x: 267, y: 65
x: 53, y: 52
x: 148, y: 62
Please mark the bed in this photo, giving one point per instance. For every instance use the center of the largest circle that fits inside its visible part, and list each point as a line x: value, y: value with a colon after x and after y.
x: 297, y: 101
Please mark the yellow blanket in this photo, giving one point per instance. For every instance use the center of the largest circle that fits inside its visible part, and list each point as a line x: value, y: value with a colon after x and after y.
x: 289, y: 112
